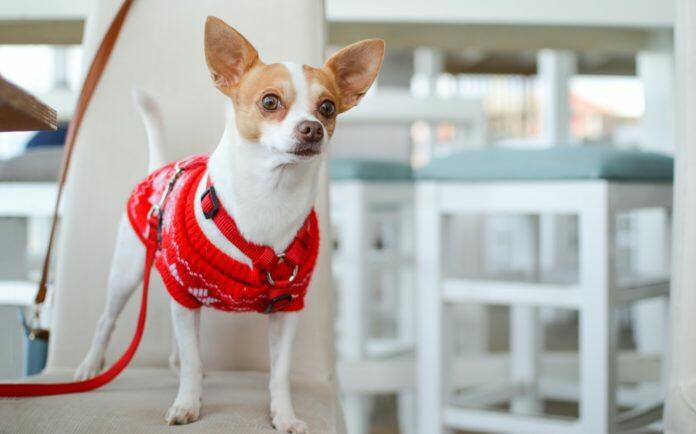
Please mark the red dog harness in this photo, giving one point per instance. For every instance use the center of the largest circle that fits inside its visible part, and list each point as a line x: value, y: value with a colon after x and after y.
x: 194, y: 270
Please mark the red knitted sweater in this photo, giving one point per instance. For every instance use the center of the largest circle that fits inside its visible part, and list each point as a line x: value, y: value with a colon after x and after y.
x: 196, y: 272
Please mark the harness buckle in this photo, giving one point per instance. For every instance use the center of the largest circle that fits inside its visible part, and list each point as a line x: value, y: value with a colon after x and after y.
x: 210, y: 191
x: 281, y: 258
x: 274, y: 300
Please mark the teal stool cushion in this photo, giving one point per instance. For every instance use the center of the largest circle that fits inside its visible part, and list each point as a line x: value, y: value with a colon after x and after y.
x: 550, y: 164
x: 345, y: 169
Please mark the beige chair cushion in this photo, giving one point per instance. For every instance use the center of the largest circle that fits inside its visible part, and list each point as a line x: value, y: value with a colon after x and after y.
x: 136, y: 403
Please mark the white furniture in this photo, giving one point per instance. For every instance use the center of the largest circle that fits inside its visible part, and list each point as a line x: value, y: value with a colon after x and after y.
x: 30, y: 201
x: 372, y: 215
x: 594, y: 185
x: 382, y: 125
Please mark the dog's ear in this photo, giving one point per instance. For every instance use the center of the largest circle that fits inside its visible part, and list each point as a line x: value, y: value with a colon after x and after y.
x: 354, y: 68
x: 228, y: 54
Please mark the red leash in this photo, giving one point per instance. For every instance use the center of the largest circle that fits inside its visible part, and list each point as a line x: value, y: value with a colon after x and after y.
x: 30, y: 389
x: 92, y: 79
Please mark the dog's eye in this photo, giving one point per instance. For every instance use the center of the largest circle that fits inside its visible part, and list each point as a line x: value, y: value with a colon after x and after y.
x: 270, y: 102
x: 327, y: 108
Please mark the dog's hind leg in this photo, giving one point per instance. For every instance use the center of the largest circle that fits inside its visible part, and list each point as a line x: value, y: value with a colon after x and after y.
x: 187, y: 405
x: 126, y: 273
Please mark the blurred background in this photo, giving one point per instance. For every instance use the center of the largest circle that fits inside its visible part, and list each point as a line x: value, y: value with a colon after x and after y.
x: 458, y: 77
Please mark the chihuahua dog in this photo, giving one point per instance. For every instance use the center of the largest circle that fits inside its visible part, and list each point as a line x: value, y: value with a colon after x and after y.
x: 265, y: 169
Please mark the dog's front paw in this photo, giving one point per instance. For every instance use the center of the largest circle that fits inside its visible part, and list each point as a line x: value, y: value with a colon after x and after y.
x: 181, y: 414
x: 89, y: 368
x: 289, y: 424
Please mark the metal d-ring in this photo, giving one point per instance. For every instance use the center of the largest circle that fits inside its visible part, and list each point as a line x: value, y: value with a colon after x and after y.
x: 281, y: 258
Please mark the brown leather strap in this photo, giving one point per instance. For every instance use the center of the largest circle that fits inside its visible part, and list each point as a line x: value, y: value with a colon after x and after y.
x: 92, y: 78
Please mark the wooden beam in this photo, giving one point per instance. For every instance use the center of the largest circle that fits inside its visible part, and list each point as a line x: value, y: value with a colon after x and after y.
x: 20, y: 111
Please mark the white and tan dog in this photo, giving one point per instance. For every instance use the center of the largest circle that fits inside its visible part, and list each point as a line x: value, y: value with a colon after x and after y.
x: 265, y: 168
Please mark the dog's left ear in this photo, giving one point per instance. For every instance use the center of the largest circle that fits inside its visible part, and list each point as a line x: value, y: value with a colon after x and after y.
x: 228, y: 54
x: 354, y: 68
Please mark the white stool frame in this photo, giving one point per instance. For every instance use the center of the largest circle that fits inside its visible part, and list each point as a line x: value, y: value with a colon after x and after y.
x: 32, y: 201
x: 595, y: 296
x: 353, y: 202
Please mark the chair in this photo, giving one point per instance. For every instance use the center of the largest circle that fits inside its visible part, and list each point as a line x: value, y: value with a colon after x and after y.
x: 372, y: 215
x: 595, y: 184
x: 161, y: 50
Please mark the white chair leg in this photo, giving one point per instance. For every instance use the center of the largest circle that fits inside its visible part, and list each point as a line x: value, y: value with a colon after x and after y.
x: 407, y: 306
x: 430, y: 361
x: 407, y: 412
x: 526, y: 346
x: 356, y: 410
x: 353, y: 308
x: 526, y: 331
x: 598, y: 328
x: 649, y: 318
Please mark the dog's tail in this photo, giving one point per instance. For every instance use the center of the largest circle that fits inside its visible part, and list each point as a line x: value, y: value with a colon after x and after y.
x: 154, y: 124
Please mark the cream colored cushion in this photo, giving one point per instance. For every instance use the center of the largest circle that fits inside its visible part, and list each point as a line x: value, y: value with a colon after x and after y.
x: 135, y: 403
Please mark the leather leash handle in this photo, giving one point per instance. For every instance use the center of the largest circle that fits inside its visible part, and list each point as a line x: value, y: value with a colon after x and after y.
x: 92, y: 79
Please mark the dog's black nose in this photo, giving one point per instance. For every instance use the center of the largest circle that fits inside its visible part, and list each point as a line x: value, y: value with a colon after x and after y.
x: 309, y: 132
